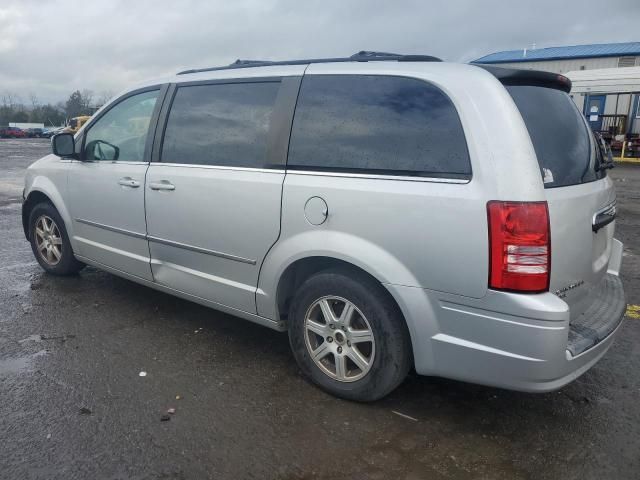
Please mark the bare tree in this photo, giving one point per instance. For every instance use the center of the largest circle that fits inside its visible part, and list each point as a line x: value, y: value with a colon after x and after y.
x: 103, y: 97
x: 10, y: 100
x: 87, y: 100
x: 35, y: 102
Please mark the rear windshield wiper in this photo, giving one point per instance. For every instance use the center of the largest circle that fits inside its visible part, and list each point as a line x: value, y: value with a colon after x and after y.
x: 605, y: 166
x: 605, y: 152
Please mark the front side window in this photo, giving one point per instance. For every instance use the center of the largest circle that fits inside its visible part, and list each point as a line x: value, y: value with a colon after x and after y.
x: 220, y: 124
x: 377, y: 124
x: 121, y: 133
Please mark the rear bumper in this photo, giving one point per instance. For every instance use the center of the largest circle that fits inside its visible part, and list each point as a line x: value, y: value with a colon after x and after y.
x: 519, y: 342
x: 601, y: 319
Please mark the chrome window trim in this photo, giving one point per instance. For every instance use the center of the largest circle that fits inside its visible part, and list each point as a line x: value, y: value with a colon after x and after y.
x: 219, y: 167
x: 206, y: 251
x: 163, y: 241
x: 319, y: 173
x: 112, y: 229
x: 374, y: 176
x: 119, y: 162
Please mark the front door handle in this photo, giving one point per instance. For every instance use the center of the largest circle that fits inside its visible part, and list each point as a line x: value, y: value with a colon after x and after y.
x: 128, y: 182
x: 162, y: 185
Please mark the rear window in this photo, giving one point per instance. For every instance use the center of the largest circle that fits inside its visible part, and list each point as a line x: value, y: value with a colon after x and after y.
x: 377, y: 124
x: 559, y: 135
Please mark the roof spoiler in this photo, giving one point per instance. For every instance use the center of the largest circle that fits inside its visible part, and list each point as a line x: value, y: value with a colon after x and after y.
x: 535, y: 78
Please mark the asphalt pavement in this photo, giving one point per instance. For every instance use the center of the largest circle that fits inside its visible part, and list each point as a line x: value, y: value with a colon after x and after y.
x: 74, y: 406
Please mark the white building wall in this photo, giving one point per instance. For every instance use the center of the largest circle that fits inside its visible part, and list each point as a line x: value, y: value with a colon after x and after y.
x: 564, y: 66
x: 578, y: 98
x: 26, y: 125
x: 625, y: 101
x: 623, y: 104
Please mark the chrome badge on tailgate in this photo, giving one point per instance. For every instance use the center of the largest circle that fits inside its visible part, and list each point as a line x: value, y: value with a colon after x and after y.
x: 562, y: 292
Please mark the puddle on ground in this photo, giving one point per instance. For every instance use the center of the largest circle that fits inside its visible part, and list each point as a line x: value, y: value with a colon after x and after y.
x: 18, y: 277
x: 11, y: 366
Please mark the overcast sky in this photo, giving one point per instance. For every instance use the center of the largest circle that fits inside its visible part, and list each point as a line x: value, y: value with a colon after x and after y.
x: 50, y: 48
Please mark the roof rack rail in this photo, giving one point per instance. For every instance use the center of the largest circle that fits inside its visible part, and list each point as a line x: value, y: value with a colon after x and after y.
x: 362, y: 56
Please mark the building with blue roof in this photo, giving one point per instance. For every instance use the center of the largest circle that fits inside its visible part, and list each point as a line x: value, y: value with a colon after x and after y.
x: 605, y: 77
x: 570, y: 58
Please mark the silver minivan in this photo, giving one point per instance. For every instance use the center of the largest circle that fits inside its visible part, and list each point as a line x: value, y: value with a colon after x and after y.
x: 389, y: 211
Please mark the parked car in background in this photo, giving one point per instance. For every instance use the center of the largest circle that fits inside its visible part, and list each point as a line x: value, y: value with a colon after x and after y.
x: 34, y: 132
x: 49, y: 132
x: 390, y: 212
x: 12, y: 132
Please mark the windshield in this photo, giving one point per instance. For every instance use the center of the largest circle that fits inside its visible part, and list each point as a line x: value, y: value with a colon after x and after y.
x: 562, y: 141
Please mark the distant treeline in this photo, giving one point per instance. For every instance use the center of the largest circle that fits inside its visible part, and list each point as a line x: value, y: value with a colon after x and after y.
x: 14, y: 109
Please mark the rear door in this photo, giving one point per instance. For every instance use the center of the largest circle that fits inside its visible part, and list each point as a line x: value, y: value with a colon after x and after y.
x: 213, y: 197
x: 581, y: 197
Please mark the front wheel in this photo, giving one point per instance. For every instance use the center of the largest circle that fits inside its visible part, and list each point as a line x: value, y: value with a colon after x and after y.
x: 50, y: 242
x: 348, y: 336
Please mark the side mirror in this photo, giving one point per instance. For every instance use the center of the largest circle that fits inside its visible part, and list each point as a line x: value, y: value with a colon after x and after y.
x: 63, y: 145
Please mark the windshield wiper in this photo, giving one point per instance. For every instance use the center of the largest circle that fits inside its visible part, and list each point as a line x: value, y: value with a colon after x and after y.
x: 605, y: 166
x: 605, y: 152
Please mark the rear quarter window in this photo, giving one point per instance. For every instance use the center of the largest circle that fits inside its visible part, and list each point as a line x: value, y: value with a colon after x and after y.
x: 560, y: 137
x: 377, y: 124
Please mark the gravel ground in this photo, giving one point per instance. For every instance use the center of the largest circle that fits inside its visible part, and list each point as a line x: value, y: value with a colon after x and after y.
x: 73, y: 406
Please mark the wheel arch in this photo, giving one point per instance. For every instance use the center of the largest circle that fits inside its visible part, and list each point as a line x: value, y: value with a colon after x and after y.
x: 43, y: 190
x: 297, y: 272
x: 331, y: 247
x: 301, y: 269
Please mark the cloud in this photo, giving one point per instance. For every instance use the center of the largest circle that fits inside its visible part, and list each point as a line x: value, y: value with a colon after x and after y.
x: 52, y: 48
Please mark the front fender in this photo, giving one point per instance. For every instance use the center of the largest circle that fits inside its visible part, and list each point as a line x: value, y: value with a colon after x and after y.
x: 352, y: 249
x: 53, y: 190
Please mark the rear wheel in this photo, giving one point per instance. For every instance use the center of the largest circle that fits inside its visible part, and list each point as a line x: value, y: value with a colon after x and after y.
x: 50, y: 242
x: 348, y: 335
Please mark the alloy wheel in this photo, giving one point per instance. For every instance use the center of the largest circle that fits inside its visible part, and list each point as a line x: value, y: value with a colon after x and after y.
x: 48, y: 240
x: 339, y: 338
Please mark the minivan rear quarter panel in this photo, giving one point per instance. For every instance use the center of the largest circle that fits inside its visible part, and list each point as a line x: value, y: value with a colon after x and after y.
x: 425, y: 233
x: 414, y: 233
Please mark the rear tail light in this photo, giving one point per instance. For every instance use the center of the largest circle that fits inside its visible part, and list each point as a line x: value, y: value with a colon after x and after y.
x: 519, y: 246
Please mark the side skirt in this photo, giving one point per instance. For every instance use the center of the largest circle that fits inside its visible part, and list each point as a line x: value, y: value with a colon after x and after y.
x: 252, y: 317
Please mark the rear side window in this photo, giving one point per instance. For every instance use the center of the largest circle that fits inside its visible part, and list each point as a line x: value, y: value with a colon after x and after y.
x: 559, y: 135
x: 220, y: 124
x: 377, y: 124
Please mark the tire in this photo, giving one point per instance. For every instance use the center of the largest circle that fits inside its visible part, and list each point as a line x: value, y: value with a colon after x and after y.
x: 61, y: 260
x: 389, y: 356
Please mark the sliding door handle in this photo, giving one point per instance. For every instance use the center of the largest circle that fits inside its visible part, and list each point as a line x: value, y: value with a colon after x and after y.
x: 162, y: 185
